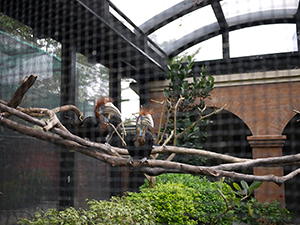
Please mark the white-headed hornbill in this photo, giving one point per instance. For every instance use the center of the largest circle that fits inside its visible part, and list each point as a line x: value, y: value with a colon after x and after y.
x: 140, y: 145
x: 96, y: 128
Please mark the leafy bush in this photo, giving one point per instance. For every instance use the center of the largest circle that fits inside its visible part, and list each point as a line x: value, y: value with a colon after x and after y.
x: 117, y: 211
x: 187, y: 199
x: 176, y: 199
x: 256, y: 213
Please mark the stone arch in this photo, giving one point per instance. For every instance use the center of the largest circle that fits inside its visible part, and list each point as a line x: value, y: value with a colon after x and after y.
x: 227, y: 134
x: 285, y: 115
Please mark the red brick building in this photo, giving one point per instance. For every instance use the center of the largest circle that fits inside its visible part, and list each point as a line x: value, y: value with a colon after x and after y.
x: 264, y: 101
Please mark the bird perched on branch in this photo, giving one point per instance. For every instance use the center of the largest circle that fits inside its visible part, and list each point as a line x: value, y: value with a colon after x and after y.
x: 97, y: 128
x: 140, y: 145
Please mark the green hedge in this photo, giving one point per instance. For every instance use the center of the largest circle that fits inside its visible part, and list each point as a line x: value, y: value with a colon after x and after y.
x: 116, y: 211
x: 176, y: 199
x: 187, y: 199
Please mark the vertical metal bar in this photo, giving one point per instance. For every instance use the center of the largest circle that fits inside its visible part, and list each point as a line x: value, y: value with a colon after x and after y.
x: 216, y: 6
x: 115, y: 87
x: 298, y: 33
x: 225, y: 43
x: 67, y: 159
x: 297, y: 17
x: 115, y: 94
x: 144, y: 88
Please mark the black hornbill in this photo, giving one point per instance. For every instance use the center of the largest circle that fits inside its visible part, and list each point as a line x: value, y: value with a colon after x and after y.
x: 96, y: 128
x: 140, y: 145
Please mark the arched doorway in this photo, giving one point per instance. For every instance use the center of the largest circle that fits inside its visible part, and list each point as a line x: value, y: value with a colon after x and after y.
x: 292, y: 146
x: 227, y: 134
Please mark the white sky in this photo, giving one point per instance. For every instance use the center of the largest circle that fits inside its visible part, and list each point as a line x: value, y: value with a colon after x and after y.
x: 131, y: 106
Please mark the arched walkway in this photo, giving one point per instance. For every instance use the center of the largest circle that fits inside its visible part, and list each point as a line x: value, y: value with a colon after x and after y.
x: 265, y: 105
x: 265, y: 108
x: 227, y: 134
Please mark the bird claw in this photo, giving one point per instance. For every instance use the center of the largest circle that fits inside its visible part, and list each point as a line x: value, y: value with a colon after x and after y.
x: 144, y: 160
x: 130, y: 161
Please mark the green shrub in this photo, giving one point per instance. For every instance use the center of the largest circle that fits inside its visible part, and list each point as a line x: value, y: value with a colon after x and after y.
x: 256, y: 213
x: 116, y: 211
x: 176, y: 199
x: 53, y: 216
x: 187, y: 199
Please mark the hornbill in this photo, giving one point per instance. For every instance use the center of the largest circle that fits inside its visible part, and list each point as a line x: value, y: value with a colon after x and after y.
x: 96, y: 128
x: 140, y: 145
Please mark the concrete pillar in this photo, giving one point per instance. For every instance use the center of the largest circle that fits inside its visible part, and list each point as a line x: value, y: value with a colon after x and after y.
x: 264, y: 146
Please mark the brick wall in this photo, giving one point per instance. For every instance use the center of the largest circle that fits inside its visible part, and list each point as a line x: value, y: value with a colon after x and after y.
x: 265, y: 102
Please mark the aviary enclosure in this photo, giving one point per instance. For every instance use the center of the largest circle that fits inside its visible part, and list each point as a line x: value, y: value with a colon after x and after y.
x: 213, y: 87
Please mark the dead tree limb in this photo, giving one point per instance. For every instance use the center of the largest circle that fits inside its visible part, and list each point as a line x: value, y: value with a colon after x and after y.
x: 151, y: 167
x: 20, y: 92
x: 198, y: 152
x: 52, y: 132
x: 64, y: 134
x: 22, y: 89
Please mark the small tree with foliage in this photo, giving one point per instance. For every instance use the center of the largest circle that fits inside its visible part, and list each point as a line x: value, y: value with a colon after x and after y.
x: 185, y: 103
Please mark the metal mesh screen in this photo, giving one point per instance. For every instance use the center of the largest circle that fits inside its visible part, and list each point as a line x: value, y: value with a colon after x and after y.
x: 83, y: 50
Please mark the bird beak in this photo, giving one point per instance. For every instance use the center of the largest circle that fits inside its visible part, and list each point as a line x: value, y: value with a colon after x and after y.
x: 111, y: 109
x: 147, y: 120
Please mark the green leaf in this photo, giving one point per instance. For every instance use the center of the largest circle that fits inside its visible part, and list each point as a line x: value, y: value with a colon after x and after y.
x: 255, y: 185
x: 236, y: 186
x: 245, y: 185
x: 250, y: 211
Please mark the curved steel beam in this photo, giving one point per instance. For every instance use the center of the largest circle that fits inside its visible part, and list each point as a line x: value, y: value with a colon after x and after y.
x: 171, y: 14
x: 234, y: 23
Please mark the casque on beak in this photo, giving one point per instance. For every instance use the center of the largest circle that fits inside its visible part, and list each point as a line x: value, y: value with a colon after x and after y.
x: 147, y: 120
x: 109, y: 109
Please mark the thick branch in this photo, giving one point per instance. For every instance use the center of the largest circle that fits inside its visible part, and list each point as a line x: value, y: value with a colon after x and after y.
x: 20, y: 92
x: 271, y: 161
x: 110, y: 155
x: 209, y: 171
x: 22, y: 89
x: 34, y: 112
x: 151, y: 167
x: 58, y: 131
x: 193, y: 151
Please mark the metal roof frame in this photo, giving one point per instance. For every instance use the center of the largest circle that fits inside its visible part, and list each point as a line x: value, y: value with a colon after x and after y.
x: 234, y: 23
x: 148, y: 53
x: 223, y: 26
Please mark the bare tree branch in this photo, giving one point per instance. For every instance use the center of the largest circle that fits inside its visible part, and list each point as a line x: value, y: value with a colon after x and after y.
x: 34, y: 112
x: 21, y: 90
x: 160, y: 139
x: 271, y: 161
x: 150, y: 167
x: 116, y: 131
x: 54, y: 132
x: 199, y: 152
x: 199, y: 119
x: 41, y: 135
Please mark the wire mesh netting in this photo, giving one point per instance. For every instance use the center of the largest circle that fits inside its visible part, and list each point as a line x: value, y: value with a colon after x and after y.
x: 226, y: 70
